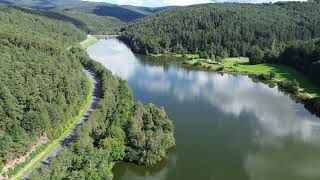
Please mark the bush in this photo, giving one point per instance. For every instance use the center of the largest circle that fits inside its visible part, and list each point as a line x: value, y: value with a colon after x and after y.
x: 203, y: 55
x: 291, y: 87
x: 264, y: 77
x: 218, y: 59
x: 313, y: 105
x: 198, y: 63
x: 220, y: 68
x: 255, y: 55
x: 267, y: 77
x: 273, y: 75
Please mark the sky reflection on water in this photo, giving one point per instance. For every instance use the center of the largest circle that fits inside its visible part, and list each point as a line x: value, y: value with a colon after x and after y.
x: 280, y: 138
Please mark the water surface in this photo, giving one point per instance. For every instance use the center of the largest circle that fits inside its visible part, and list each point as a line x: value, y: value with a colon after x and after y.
x: 227, y: 127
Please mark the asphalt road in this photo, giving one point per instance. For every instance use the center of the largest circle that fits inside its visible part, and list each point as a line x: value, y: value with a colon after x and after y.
x: 72, y: 135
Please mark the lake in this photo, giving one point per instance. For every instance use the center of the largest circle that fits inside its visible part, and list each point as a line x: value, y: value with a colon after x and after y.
x: 227, y: 127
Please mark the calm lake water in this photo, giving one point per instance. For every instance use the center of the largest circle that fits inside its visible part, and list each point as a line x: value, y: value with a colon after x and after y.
x: 227, y: 127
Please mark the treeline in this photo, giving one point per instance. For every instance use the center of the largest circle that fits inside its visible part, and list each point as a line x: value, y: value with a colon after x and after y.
x: 228, y: 29
x: 304, y: 56
x: 118, y: 129
x: 41, y: 85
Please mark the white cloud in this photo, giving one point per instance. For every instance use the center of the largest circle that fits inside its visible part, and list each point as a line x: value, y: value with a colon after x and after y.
x: 159, y: 3
x: 154, y: 3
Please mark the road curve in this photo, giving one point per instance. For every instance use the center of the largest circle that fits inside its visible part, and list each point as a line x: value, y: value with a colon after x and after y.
x: 72, y: 135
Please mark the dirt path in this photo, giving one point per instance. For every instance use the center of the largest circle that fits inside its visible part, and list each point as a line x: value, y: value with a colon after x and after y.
x: 40, y: 141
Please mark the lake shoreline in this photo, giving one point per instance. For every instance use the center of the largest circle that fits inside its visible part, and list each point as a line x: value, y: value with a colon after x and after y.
x: 215, y: 115
x: 243, y: 68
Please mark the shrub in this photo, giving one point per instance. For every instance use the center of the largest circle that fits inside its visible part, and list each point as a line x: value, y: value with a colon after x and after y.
x: 203, y: 55
x: 264, y: 77
x: 291, y: 87
x: 256, y: 56
x: 220, y: 68
x: 272, y: 75
x: 218, y: 59
x: 267, y: 77
x: 313, y: 105
x: 198, y: 63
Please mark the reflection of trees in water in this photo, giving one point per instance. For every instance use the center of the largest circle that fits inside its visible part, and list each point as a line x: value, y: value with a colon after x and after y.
x: 124, y: 170
x: 239, y: 120
x: 163, y: 62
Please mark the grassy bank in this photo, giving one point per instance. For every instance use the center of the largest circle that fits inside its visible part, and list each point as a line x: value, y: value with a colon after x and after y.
x: 283, y: 73
x: 72, y: 123
x: 88, y: 42
x: 242, y: 66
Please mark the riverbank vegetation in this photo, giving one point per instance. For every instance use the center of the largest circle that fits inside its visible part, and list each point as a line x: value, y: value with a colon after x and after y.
x: 267, y: 72
x: 304, y: 57
x: 118, y: 129
x: 280, y: 41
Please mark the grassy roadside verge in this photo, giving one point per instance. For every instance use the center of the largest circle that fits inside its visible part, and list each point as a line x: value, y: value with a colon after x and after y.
x: 72, y: 123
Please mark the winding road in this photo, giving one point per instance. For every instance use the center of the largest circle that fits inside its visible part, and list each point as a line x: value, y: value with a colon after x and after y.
x: 72, y: 135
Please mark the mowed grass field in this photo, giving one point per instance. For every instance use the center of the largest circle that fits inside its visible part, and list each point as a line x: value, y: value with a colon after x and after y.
x: 283, y: 73
x: 241, y: 66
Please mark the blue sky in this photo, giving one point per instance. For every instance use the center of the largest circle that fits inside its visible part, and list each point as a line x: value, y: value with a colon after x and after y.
x: 158, y: 3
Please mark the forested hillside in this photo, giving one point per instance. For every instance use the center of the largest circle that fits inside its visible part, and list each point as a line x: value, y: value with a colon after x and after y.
x: 118, y: 129
x: 97, y: 24
x: 224, y: 29
x: 88, y: 23
x: 41, y: 85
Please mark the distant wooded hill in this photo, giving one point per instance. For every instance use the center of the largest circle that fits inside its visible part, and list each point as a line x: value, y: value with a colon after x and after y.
x: 224, y: 29
x: 124, y: 13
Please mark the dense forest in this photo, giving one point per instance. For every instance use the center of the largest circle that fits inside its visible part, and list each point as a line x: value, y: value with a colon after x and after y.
x: 228, y: 29
x: 303, y: 56
x: 41, y: 85
x: 118, y: 129
x: 284, y: 33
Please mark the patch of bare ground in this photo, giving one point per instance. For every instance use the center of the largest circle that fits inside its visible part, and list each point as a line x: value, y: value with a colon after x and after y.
x: 39, y: 142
